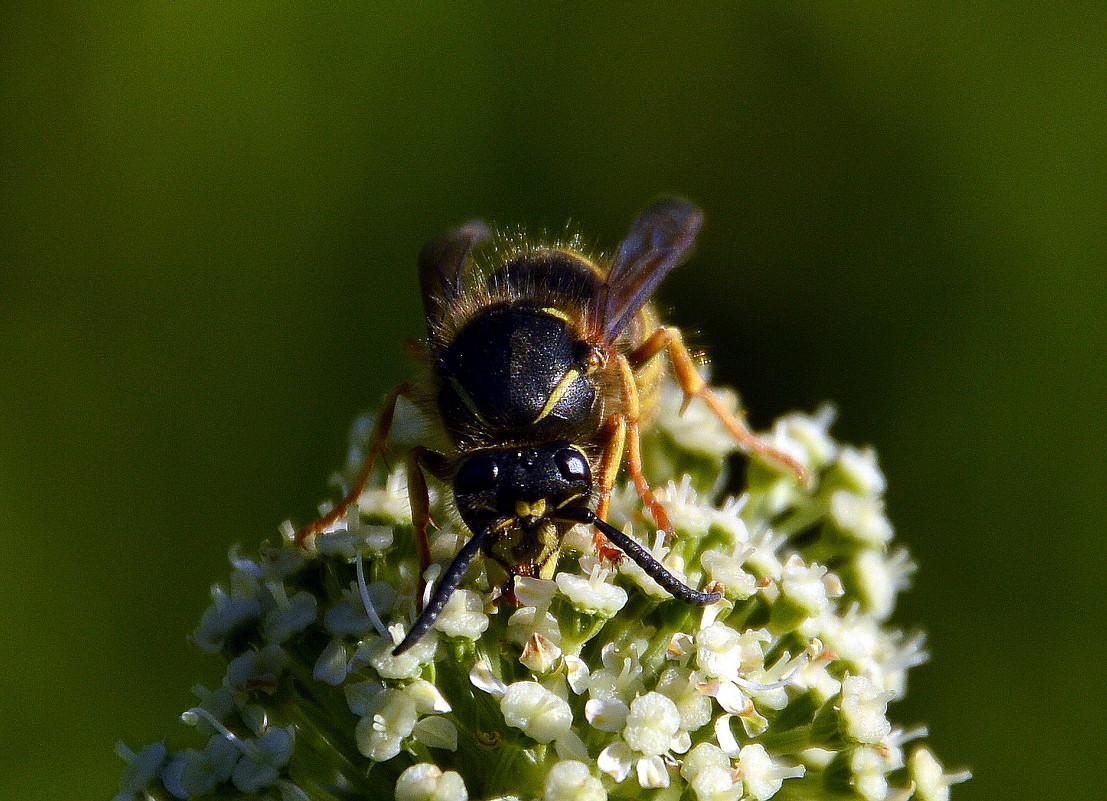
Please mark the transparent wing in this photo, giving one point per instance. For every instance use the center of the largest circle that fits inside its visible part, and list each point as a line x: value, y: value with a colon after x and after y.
x: 659, y: 240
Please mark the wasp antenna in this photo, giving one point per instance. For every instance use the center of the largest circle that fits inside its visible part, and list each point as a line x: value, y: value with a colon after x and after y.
x: 446, y: 586
x: 643, y: 558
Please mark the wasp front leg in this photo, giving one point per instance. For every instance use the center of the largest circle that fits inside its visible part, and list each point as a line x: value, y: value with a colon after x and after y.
x: 693, y: 386
x: 420, y: 459
x: 630, y: 415
x: 378, y: 440
x: 610, y: 461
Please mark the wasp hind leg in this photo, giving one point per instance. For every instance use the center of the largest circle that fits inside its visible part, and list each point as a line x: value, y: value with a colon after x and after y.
x: 376, y: 445
x: 693, y: 386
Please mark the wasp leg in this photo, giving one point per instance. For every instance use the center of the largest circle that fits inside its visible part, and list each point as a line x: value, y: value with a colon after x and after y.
x: 418, y: 497
x: 376, y: 445
x: 610, y: 462
x: 693, y: 386
x: 634, y: 448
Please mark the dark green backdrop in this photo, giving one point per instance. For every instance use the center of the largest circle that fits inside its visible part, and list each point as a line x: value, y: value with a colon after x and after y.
x: 208, y: 218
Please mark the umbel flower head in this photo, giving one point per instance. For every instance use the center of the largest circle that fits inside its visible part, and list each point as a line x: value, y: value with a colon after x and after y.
x: 594, y: 685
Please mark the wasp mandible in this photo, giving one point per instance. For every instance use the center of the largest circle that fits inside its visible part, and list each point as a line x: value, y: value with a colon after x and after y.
x: 542, y: 371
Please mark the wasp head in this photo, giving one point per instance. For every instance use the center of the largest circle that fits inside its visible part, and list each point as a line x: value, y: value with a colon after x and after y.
x: 524, y: 486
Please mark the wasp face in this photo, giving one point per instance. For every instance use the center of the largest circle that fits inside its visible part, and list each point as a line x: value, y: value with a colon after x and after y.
x: 525, y: 486
x: 520, y: 497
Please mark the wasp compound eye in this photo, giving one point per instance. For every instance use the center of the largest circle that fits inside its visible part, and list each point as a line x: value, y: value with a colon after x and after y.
x: 572, y: 464
x: 479, y: 472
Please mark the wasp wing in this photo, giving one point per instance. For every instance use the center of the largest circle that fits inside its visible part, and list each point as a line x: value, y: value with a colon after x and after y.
x: 442, y: 266
x: 659, y: 240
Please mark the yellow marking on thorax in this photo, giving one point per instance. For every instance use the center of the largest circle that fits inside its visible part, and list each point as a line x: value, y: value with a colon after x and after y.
x: 558, y: 393
x: 553, y: 312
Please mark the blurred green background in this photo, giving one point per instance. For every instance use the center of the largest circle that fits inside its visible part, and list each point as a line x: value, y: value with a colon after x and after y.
x: 209, y: 214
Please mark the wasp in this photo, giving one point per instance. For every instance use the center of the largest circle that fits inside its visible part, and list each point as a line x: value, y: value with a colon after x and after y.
x: 543, y: 371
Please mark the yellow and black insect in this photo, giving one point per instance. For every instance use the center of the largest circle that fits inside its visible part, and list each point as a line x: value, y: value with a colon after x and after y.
x: 542, y: 373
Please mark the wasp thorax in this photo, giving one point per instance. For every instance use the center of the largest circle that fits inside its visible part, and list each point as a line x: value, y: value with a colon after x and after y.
x: 517, y: 368
x: 527, y: 484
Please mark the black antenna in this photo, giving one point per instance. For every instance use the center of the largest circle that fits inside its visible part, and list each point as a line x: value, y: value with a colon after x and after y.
x: 643, y: 558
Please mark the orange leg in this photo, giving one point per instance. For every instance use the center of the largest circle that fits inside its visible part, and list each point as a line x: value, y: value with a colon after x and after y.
x: 419, y: 459
x: 693, y: 386
x: 634, y: 448
x: 377, y: 442
x: 610, y: 462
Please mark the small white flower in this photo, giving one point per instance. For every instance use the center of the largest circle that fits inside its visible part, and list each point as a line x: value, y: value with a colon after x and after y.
x: 805, y: 438
x: 708, y: 770
x: 652, y: 724
x: 870, y: 766
x: 330, y: 667
x: 535, y: 592
x: 540, y: 655
x: 859, y: 467
x: 436, y: 732
x: 727, y: 570
x: 408, y: 665
x: 806, y: 586
x: 682, y: 686
x: 880, y: 577
x: 698, y: 429
x: 761, y: 774
x: 463, y: 616
x: 257, y: 671
x: 196, y: 773
x: 620, y: 677
x: 931, y: 781
x: 705, y: 756
x: 530, y: 620
x: 572, y: 781
x: 263, y: 758
x: 861, y: 517
x: 426, y: 782
x: 226, y: 614
x: 651, y: 733
x: 391, y: 717
x: 689, y: 516
x: 388, y: 504
x: 864, y: 709
x: 289, y: 617
x: 592, y: 595
x: 529, y: 706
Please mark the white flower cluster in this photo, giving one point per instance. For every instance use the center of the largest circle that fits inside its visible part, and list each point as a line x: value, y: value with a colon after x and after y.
x: 597, y: 684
